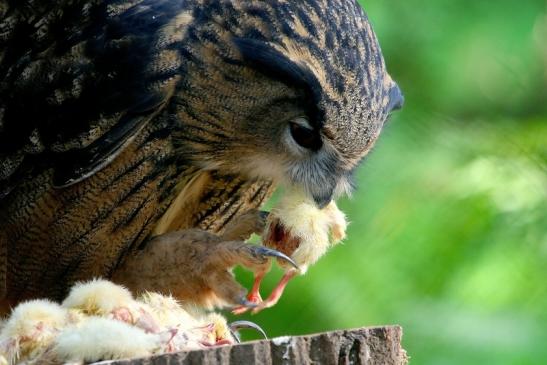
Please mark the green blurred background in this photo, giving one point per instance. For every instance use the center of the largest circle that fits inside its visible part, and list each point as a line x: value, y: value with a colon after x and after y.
x: 448, y: 233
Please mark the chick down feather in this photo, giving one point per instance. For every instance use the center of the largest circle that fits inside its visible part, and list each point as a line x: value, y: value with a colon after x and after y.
x: 301, y: 230
x: 91, y: 326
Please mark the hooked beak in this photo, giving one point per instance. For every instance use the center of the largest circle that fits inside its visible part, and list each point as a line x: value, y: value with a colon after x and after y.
x: 322, y: 200
x: 323, y: 193
x: 396, y: 98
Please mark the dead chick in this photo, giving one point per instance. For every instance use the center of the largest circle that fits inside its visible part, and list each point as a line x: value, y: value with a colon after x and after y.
x: 224, y: 333
x: 167, y: 311
x: 189, y: 327
x: 100, y: 338
x: 189, y: 332
x: 207, y: 332
x: 193, y: 328
x: 100, y: 297
x: 221, y: 334
x: 100, y: 320
x: 31, y: 328
x: 297, y: 228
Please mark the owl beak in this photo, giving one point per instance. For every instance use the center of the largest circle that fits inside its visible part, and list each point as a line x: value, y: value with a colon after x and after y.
x: 323, y: 199
x: 322, y: 191
x: 396, y: 98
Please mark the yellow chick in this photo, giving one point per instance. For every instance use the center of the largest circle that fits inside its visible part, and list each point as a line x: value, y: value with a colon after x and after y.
x: 100, y: 320
x: 302, y: 231
x: 100, y: 338
x: 98, y: 297
x: 224, y: 333
x: 193, y: 329
x: 297, y: 228
x: 167, y: 311
x: 220, y: 333
x: 103, y: 298
x: 31, y: 329
x: 213, y: 330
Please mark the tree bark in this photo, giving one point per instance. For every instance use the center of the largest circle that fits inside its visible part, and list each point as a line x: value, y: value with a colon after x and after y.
x: 362, y: 346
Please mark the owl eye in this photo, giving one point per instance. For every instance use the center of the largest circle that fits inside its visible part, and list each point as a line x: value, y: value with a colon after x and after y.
x: 304, y: 135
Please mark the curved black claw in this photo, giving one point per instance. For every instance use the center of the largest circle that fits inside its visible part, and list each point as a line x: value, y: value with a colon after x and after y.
x: 237, y: 325
x: 265, y: 251
x: 263, y: 214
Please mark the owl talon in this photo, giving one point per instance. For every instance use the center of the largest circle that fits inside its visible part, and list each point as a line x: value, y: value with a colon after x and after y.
x: 237, y: 325
x: 268, y: 252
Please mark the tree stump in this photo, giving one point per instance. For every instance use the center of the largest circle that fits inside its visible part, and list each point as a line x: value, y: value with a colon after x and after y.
x: 362, y: 346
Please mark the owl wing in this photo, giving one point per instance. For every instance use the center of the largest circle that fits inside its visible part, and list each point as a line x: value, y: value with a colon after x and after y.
x: 78, y: 80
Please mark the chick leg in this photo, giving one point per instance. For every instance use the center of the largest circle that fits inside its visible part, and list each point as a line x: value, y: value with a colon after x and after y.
x: 253, y: 296
x: 272, y: 300
x: 277, y: 292
x: 194, y: 266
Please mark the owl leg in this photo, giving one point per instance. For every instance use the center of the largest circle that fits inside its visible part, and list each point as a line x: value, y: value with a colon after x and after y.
x: 224, y: 283
x: 195, y: 266
x: 241, y: 228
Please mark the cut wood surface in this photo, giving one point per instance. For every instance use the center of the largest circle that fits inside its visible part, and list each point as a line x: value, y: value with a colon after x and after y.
x: 362, y: 346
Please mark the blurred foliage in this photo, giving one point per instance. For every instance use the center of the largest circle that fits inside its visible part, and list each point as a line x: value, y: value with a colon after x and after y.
x: 449, y: 223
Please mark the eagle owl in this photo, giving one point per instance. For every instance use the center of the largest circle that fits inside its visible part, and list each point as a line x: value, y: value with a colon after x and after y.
x: 131, y: 124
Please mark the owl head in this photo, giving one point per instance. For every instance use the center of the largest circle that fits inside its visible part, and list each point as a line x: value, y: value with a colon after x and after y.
x: 291, y: 91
